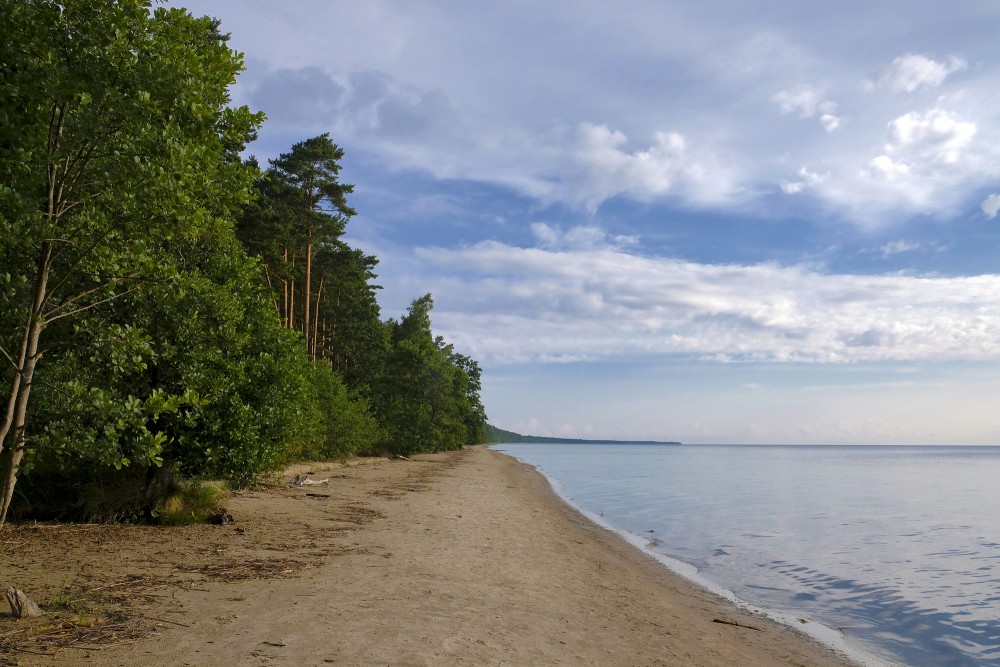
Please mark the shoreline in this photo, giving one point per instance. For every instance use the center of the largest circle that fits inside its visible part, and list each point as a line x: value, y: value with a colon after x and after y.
x: 724, y: 600
x: 814, y: 630
x: 456, y: 558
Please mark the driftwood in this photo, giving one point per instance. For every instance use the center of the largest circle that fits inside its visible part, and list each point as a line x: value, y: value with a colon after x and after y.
x: 21, y: 605
x: 738, y: 625
x: 303, y: 480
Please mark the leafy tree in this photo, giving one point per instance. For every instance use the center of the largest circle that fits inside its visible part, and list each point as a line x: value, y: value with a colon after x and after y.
x: 425, y: 396
x: 474, y: 413
x: 116, y: 136
x: 341, y: 423
x: 226, y: 386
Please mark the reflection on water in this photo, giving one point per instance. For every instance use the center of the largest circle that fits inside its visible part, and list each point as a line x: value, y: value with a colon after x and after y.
x: 898, y: 547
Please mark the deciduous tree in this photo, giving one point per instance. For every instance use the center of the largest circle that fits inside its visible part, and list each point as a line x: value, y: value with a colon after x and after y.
x: 426, y: 398
x: 116, y: 134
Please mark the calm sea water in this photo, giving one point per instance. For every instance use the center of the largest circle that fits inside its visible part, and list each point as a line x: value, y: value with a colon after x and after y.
x: 898, y: 548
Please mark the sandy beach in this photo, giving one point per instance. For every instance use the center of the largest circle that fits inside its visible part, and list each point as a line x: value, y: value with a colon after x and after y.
x: 457, y: 558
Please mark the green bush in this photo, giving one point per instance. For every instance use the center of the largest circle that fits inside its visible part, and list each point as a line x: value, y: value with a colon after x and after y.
x: 340, y: 422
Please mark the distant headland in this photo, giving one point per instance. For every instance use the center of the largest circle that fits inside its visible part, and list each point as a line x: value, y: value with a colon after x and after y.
x: 498, y: 435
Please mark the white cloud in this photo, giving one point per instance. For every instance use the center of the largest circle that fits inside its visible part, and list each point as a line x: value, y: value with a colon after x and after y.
x: 808, y: 102
x: 889, y: 168
x: 645, y: 117
x: 936, y: 135
x: 911, y: 71
x: 928, y: 164
x: 802, y: 100
x: 991, y: 205
x: 829, y: 122
x: 601, y: 167
x: 898, y: 247
x: 807, y: 179
x: 577, y: 238
x: 511, y: 304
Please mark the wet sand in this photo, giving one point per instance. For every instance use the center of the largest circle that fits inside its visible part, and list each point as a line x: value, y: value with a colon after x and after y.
x: 456, y: 558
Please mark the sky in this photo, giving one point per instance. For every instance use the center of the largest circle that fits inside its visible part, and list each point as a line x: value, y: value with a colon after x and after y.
x: 713, y: 222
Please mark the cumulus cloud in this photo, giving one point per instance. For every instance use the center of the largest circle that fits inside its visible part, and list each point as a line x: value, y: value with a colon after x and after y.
x: 603, y: 301
x: 601, y: 167
x: 807, y: 179
x: 416, y: 127
x: 929, y: 161
x: 829, y: 122
x: 889, y: 168
x: 991, y: 205
x: 911, y: 71
x: 936, y: 134
x: 932, y: 161
x: 925, y: 161
x: 808, y: 102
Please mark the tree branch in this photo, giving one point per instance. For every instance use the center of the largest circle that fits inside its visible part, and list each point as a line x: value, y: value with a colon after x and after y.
x: 92, y: 305
x: 72, y: 267
x: 11, y: 360
x: 51, y: 315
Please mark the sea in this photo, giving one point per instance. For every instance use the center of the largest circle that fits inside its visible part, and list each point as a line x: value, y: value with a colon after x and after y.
x: 891, y: 554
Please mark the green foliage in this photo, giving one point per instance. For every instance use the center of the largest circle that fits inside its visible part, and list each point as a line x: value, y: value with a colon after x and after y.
x: 341, y: 422
x: 301, y: 209
x: 310, y: 175
x: 355, y: 340
x: 425, y: 395
x: 217, y: 334
x: 165, y: 322
x: 118, y: 155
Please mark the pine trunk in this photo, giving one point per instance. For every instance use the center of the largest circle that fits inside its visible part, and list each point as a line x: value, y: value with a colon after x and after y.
x: 307, y: 293
x: 315, y: 331
x: 284, y: 292
x: 291, y: 298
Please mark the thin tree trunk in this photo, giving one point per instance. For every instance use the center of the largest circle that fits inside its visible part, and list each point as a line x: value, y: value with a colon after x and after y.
x: 291, y: 298
x: 315, y: 331
x: 307, y: 295
x: 17, y: 406
x: 270, y: 286
x: 12, y: 432
x: 333, y: 333
x: 15, y: 388
x: 284, y: 291
x: 323, y: 340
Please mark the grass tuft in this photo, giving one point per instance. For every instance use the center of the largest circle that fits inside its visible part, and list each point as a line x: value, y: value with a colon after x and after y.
x: 192, y: 501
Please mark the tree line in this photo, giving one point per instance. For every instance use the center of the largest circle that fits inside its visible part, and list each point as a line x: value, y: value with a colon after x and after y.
x: 168, y: 308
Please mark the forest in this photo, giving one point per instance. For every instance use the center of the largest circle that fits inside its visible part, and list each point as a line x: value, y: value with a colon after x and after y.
x: 170, y: 309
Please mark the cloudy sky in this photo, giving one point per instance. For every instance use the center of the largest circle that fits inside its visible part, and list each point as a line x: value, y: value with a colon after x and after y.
x: 728, y: 221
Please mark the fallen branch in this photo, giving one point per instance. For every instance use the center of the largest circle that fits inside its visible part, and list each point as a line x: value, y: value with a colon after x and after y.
x: 165, y: 620
x: 738, y: 625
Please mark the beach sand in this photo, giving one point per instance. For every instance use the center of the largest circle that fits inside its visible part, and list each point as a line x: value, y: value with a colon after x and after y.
x: 455, y: 558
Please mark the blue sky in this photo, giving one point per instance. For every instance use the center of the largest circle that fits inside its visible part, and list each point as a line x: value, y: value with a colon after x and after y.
x: 711, y: 222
